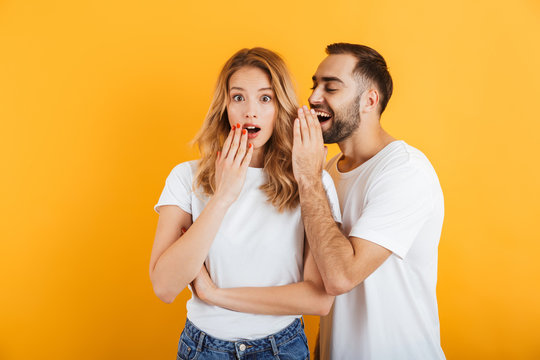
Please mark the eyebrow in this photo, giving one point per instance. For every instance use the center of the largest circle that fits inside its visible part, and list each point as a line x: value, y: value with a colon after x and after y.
x: 328, y: 79
x: 242, y: 89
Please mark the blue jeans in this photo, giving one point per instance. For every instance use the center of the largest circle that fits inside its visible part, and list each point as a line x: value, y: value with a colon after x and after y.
x: 287, y: 344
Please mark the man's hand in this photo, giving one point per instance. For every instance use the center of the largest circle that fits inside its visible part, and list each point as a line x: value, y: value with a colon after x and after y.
x: 309, y: 152
x: 203, y: 286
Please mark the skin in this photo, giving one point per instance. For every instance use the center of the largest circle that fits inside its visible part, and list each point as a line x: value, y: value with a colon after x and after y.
x: 178, y: 259
x: 344, y: 262
x: 251, y: 101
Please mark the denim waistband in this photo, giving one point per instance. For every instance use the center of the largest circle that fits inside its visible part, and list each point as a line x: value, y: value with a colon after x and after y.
x: 245, y: 346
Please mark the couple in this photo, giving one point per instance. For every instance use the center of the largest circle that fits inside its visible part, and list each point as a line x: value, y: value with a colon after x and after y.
x: 271, y: 235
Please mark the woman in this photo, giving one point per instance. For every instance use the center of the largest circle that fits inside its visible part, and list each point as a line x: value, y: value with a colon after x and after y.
x: 239, y: 204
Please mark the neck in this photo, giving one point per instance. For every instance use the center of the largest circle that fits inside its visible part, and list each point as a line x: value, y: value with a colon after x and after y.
x: 363, y: 144
x: 257, y: 159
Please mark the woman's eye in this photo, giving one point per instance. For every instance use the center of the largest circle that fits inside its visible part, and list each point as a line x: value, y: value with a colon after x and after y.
x: 330, y: 90
x: 238, y: 98
x: 266, y: 98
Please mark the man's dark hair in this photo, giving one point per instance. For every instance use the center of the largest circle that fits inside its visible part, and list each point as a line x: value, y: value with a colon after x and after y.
x: 370, y: 66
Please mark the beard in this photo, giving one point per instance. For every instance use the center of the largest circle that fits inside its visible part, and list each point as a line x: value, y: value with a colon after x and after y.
x: 346, y: 120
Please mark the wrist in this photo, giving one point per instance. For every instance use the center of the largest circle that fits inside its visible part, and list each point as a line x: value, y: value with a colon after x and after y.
x: 221, y: 201
x: 309, y: 182
x: 212, y: 296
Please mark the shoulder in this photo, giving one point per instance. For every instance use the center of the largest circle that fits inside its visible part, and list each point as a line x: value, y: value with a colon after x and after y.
x: 185, y: 169
x: 404, y: 157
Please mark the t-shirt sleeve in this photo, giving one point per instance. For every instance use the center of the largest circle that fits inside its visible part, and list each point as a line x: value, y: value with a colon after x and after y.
x: 331, y: 193
x: 398, y: 205
x: 177, y: 190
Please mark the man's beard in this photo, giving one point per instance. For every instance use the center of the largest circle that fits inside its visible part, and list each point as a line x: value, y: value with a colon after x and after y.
x: 344, y: 123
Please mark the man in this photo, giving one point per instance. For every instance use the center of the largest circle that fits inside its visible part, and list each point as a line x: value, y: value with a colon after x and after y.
x: 382, y: 264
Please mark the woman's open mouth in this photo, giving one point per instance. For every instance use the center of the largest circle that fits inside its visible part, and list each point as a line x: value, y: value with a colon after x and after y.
x: 252, y: 130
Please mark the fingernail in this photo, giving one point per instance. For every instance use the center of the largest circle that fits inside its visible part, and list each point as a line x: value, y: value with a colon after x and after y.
x: 312, y: 111
x: 238, y: 125
x: 305, y: 107
x: 184, y: 229
x: 300, y: 110
x: 244, y: 132
x: 232, y: 127
x: 250, y: 145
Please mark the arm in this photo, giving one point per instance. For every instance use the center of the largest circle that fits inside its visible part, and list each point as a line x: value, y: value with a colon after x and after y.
x: 305, y: 297
x: 175, y: 261
x: 343, y: 262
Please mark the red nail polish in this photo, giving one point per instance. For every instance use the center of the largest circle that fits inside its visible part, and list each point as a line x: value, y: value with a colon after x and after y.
x: 250, y: 145
x: 232, y: 127
x: 238, y: 125
x: 244, y: 132
x: 184, y: 229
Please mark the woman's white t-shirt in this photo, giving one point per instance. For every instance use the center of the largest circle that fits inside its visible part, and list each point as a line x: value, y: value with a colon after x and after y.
x: 255, y: 246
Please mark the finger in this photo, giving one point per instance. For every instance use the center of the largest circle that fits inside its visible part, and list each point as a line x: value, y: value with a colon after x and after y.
x: 313, y: 122
x: 227, y: 143
x: 297, y: 134
x: 242, y: 148
x: 309, y: 122
x: 235, y: 142
x: 247, y: 159
x: 304, y: 129
x: 316, y: 124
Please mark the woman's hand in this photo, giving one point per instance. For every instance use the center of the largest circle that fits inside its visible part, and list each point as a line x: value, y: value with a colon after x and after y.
x: 231, y: 165
x: 203, y: 286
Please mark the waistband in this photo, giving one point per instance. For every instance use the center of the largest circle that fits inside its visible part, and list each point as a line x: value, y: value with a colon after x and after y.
x: 243, y: 346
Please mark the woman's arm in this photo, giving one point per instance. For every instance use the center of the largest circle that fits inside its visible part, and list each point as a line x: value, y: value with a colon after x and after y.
x: 176, y: 259
x: 305, y: 297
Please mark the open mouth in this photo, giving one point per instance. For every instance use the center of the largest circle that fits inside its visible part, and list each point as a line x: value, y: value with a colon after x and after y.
x: 252, y: 129
x: 323, y: 116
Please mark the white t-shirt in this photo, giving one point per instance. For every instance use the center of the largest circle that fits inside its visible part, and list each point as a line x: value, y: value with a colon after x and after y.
x: 395, y: 200
x: 255, y: 246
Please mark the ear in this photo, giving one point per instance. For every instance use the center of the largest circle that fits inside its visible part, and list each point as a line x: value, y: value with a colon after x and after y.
x: 370, y: 100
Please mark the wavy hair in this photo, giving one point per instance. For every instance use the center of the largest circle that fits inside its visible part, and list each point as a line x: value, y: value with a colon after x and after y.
x: 281, y: 188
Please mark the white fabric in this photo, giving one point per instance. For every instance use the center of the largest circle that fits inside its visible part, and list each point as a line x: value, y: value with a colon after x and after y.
x: 255, y: 246
x: 395, y: 200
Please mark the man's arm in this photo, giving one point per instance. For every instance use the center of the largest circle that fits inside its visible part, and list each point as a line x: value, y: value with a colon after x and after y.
x: 305, y: 297
x: 343, y: 262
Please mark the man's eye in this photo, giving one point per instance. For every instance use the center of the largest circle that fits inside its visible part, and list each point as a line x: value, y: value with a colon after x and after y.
x: 238, y: 98
x: 330, y: 90
x: 266, y: 98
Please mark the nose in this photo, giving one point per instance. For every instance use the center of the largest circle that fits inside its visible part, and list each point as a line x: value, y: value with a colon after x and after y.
x: 316, y: 96
x: 250, y: 111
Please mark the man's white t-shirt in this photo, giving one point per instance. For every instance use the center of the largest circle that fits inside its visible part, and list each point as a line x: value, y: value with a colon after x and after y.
x: 394, y: 200
x: 255, y: 246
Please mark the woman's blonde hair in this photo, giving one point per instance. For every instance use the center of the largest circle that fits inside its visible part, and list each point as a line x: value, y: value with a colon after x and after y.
x: 281, y: 188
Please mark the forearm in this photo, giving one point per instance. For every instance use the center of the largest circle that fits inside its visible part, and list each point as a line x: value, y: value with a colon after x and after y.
x: 293, y: 299
x: 181, y: 262
x: 332, y: 251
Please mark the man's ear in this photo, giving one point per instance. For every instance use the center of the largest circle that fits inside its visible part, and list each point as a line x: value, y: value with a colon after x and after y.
x: 369, y: 101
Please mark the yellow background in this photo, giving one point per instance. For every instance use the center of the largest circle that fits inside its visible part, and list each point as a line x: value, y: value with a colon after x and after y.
x: 99, y: 99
